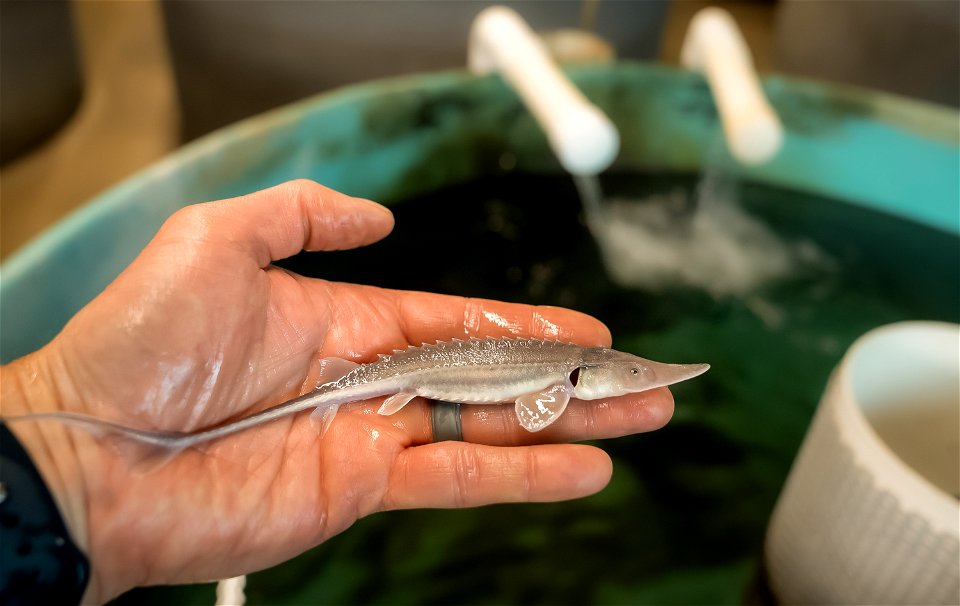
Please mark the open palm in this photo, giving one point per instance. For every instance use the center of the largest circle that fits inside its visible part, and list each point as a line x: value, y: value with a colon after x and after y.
x: 201, y: 328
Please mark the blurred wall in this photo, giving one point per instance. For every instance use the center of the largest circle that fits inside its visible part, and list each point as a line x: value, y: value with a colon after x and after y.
x: 906, y: 47
x: 126, y: 117
x: 40, y: 78
x: 90, y: 88
x: 235, y: 59
x: 85, y: 101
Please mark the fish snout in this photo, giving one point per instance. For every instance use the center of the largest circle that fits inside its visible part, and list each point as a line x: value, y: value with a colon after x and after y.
x: 661, y: 375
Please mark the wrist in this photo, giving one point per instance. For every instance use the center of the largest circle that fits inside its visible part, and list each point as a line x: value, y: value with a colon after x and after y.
x: 27, y: 386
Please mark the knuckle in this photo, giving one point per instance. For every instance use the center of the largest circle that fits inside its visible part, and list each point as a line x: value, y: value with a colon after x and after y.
x: 185, y: 215
x: 302, y: 193
x: 509, y: 427
x: 529, y: 476
x: 398, y: 483
x: 591, y: 418
x: 466, y: 476
x: 192, y: 220
x: 301, y: 185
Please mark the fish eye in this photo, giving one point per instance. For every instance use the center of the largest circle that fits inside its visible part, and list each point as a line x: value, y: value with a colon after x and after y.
x: 634, y: 371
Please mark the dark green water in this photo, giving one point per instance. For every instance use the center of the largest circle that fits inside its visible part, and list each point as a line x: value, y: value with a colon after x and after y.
x: 684, y: 519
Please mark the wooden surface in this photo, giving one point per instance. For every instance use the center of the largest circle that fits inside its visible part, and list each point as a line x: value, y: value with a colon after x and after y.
x: 127, y: 119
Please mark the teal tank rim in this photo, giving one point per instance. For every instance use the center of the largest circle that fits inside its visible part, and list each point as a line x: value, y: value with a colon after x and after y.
x: 916, y: 117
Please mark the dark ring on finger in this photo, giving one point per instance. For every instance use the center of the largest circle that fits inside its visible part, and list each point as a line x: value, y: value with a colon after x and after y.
x: 446, y: 420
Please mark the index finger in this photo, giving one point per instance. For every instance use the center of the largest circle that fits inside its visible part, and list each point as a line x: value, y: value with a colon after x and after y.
x: 421, y: 312
x: 381, y: 320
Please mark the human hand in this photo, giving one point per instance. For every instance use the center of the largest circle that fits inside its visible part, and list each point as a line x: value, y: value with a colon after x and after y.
x: 201, y: 328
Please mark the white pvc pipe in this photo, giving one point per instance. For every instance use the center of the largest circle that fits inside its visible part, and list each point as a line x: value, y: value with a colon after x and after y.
x: 714, y: 45
x: 584, y: 139
x: 230, y: 591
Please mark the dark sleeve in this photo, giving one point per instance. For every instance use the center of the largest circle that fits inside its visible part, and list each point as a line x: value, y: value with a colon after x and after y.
x: 39, y: 562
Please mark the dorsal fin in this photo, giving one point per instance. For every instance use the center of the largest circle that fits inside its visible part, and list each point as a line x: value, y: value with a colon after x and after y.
x: 332, y: 369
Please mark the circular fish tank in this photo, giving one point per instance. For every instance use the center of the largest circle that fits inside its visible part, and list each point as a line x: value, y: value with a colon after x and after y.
x: 853, y: 225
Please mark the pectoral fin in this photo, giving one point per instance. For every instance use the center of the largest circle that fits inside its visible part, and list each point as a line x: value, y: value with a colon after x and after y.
x: 538, y: 410
x: 396, y: 402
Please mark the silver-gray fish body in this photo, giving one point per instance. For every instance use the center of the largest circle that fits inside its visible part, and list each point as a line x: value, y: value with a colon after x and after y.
x: 475, y: 371
x: 539, y: 377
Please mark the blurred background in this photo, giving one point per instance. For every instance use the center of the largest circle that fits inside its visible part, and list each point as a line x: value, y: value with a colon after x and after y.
x: 769, y: 273
x: 93, y: 91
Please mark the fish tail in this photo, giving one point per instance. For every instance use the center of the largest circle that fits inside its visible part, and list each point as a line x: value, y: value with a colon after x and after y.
x: 160, y: 446
x: 146, y: 449
x: 159, y: 439
x: 177, y: 440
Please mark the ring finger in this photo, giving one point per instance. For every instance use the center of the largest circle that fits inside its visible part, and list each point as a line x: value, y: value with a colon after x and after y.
x: 497, y: 425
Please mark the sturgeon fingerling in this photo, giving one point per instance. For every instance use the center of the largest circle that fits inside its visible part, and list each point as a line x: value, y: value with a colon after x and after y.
x: 538, y: 377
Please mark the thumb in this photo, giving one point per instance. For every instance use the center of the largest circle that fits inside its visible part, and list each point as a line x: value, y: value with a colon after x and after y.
x: 281, y: 221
